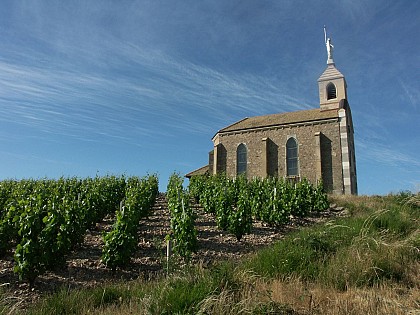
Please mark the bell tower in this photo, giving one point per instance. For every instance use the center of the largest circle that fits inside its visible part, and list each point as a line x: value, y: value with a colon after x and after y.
x: 332, y: 84
x: 333, y: 96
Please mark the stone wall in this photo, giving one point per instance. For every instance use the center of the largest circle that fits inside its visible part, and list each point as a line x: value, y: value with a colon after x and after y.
x: 266, y: 150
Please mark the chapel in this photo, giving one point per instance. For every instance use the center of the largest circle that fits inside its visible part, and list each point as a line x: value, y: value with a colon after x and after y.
x: 316, y: 144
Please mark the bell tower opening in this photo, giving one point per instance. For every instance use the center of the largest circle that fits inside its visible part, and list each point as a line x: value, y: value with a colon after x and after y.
x: 331, y: 91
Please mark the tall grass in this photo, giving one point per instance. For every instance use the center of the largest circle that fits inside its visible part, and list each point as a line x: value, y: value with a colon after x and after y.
x: 372, y: 247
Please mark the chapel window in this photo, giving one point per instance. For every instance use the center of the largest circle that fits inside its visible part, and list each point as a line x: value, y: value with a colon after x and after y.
x: 241, y: 159
x: 292, y: 157
x: 331, y: 91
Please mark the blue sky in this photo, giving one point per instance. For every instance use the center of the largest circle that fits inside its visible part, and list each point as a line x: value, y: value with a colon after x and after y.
x: 134, y: 87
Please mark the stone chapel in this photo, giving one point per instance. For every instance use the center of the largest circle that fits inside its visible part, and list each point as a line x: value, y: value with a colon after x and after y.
x: 317, y: 144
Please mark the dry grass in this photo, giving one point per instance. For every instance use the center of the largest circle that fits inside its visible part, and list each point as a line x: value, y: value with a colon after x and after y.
x: 316, y: 299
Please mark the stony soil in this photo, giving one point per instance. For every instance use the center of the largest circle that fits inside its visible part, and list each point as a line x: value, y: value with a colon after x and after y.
x: 85, y: 269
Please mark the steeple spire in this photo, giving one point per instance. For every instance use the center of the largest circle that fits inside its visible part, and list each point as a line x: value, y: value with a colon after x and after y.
x: 332, y: 84
x: 329, y: 46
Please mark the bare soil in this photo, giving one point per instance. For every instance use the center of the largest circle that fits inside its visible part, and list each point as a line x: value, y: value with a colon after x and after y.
x: 84, y: 267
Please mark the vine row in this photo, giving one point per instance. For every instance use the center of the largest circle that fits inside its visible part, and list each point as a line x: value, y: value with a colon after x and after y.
x: 121, y: 242
x: 235, y: 202
x: 43, y: 220
x: 183, y: 231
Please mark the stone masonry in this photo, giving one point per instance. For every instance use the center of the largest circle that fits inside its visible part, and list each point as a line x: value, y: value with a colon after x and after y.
x: 324, y: 137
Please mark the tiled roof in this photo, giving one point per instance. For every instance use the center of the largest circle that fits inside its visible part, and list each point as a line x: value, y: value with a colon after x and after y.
x: 302, y: 116
x: 200, y: 171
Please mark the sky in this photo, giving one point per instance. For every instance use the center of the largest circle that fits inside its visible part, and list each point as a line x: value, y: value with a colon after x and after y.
x: 101, y: 88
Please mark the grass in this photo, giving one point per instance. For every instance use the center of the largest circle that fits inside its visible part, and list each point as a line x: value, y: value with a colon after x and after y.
x: 375, y: 245
x: 366, y: 263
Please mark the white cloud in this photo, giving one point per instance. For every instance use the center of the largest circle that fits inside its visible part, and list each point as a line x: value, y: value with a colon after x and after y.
x: 384, y: 154
x: 411, y: 92
x: 151, y: 91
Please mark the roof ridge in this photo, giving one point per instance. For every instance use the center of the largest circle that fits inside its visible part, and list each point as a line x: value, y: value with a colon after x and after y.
x: 308, y: 115
x: 233, y: 124
x: 272, y: 114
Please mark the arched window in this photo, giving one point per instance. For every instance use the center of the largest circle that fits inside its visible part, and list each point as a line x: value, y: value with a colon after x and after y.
x: 241, y: 159
x: 331, y: 91
x: 292, y: 157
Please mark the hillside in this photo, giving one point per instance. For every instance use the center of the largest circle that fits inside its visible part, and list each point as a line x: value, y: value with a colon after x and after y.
x: 366, y: 262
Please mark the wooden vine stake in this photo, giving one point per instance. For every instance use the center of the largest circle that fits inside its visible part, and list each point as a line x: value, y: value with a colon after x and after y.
x: 168, y: 252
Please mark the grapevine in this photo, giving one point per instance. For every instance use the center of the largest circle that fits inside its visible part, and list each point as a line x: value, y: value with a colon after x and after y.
x: 184, y: 234
x: 45, y: 219
x: 271, y: 200
x: 121, y: 242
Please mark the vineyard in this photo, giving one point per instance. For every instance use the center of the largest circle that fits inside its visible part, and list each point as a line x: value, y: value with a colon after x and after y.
x: 44, y: 222
x: 226, y: 255
x: 237, y: 202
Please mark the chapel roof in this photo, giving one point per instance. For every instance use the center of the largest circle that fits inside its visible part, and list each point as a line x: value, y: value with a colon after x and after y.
x: 273, y: 120
x: 199, y: 171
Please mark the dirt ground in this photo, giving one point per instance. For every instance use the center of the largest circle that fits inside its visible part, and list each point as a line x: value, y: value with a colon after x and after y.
x: 85, y: 269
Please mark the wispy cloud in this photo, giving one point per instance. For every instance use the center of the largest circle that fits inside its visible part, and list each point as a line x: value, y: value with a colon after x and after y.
x: 387, y: 155
x: 150, y: 87
x: 411, y: 92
